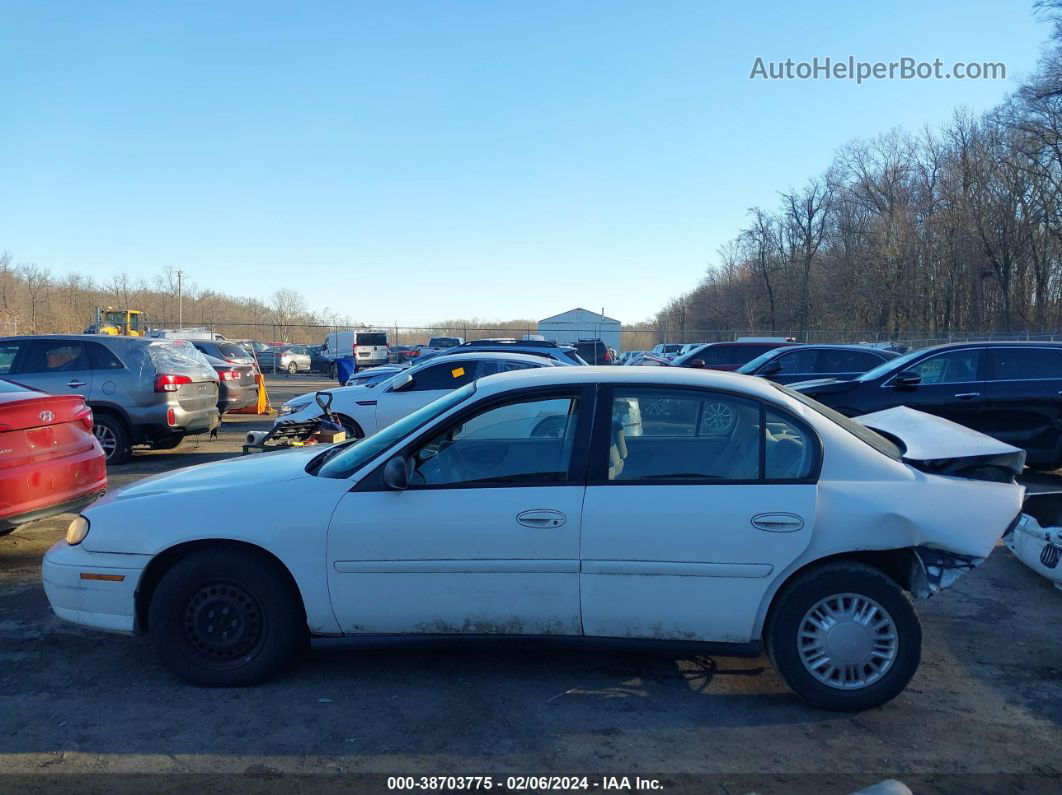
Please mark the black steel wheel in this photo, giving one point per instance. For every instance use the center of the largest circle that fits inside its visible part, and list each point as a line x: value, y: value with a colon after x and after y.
x: 225, y: 618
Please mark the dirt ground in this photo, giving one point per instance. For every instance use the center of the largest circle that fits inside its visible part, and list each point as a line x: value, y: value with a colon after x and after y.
x: 987, y: 699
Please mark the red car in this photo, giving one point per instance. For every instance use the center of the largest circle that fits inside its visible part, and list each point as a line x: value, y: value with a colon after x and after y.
x: 49, y: 460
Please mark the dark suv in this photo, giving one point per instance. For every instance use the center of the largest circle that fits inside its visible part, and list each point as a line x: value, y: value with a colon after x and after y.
x: 726, y: 355
x: 593, y: 351
x: 1008, y: 390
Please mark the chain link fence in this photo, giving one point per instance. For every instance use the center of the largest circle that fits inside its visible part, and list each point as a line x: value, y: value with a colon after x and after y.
x: 638, y: 338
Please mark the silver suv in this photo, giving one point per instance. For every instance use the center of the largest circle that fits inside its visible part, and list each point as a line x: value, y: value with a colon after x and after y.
x: 141, y: 391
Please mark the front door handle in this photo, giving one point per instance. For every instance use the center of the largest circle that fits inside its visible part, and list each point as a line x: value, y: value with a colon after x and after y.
x: 777, y: 522
x: 967, y: 395
x: 541, y: 518
x: 73, y: 383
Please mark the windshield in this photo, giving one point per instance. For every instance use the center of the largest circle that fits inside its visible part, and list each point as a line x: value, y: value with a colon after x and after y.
x: 343, y: 460
x: 862, y: 432
x: 755, y: 364
x: 891, y: 366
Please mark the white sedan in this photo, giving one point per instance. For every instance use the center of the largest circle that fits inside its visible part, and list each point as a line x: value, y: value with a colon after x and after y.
x: 364, y: 409
x: 650, y: 504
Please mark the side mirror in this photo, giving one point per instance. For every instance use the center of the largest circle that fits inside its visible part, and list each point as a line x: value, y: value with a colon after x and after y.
x: 906, y: 380
x: 696, y: 364
x: 772, y: 367
x: 396, y: 473
x: 402, y: 382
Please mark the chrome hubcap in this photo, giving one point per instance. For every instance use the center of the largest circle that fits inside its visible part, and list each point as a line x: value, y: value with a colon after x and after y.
x: 105, y: 436
x: 847, y: 641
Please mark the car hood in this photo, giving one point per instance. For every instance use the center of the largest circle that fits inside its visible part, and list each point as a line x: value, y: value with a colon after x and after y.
x: 944, y: 447
x: 337, y: 391
x: 233, y: 473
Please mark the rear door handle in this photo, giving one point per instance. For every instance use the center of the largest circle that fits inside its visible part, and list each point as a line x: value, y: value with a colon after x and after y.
x: 967, y: 395
x: 73, y: 383
x: 777, y: 522
x: 541, y: 518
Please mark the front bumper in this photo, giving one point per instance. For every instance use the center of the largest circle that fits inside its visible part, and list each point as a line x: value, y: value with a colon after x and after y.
x: 109, y: 604
x: 1032, y: 545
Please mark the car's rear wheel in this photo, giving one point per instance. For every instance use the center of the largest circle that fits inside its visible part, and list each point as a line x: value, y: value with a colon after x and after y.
x: 223, y: 618
x: 844, y: 636
x: 113, y: 437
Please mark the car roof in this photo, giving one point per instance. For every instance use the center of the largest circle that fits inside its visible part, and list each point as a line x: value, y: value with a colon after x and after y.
x: 118, y: 338
x: 991, y: 344
x: 638, y: 376
x: 829, y: 346
x: 503, y: 356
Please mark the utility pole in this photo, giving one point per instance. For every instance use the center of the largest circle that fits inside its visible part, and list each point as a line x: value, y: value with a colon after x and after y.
x: 180, y: 301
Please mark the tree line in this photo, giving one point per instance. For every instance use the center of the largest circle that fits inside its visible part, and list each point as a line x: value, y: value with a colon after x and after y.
x: 951, y: 230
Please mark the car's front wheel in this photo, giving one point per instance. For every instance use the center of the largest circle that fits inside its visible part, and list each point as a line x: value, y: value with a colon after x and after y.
x: 844, y: 636
x: 293, y: 368
x: 224, y: 618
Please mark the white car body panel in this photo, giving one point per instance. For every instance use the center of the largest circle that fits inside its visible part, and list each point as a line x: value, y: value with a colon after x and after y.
x: 629, y: 560
x: 444, y: 560
x: 375, y: 406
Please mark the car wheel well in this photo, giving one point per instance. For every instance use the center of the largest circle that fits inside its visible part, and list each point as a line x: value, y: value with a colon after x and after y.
x: 168, y: 558
x: 110, y: 411
x: 897, y: 564
x: 359, y: 432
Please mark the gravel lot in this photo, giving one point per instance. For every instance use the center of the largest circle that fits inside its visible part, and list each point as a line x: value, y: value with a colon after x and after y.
x: 987, y: 700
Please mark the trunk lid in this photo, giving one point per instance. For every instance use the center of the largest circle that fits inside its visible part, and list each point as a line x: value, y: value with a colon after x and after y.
x: 21, y: 411
x: 943, y: 447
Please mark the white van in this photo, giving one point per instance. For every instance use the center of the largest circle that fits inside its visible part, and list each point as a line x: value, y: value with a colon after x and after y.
x: 369, y: 348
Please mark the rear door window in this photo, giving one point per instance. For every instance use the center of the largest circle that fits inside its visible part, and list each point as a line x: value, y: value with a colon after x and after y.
x: 103, y: 358
x: 444, y: 376
x: 841, y: 361
x: 953, y: 367
x: 798, y: 361
x: 493, y: 367
x: 1024, y: 364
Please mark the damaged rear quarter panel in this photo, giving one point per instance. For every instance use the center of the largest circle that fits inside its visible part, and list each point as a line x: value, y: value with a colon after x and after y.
x: 938, y: 517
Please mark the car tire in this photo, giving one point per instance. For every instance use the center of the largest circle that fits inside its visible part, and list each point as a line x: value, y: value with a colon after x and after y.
x: 268, y: 625
x: 113, y: 437
x: 866, y: 616
x: 292, y: 368
x: 333, y: 372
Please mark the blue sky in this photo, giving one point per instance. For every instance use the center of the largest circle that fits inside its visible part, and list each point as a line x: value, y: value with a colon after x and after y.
x: 412, y: 161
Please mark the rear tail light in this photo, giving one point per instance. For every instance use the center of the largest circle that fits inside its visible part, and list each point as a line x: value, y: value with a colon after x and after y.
x: 170, y: 383
x: 608, y: 357
x: 229, y: 375
x: 84, y: 416
x: 171, y: 417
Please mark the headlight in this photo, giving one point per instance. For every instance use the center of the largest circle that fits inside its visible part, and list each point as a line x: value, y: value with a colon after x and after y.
x: 293, y: 408
x: 77, y: 531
